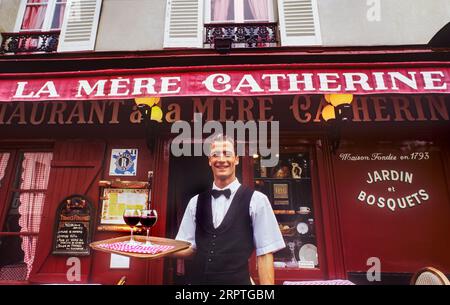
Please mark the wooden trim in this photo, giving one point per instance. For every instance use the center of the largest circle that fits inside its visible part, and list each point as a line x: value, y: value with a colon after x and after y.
x: 19, y: 233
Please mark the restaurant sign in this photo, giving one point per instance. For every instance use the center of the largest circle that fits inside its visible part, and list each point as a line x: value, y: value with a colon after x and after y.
x: 390, y: 186
x: 221, y: 81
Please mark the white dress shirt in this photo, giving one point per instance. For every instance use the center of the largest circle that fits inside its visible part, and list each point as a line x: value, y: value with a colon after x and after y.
x: 266, y: 233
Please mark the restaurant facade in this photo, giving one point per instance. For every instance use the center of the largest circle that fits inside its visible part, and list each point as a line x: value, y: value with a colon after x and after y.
x: 363, y: 195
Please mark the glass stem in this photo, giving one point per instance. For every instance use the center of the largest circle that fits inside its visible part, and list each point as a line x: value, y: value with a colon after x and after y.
x: 131, y: 238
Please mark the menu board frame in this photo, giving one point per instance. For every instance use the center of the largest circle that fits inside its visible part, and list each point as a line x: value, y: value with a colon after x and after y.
x: 127, y: 190
x: 76, y: 208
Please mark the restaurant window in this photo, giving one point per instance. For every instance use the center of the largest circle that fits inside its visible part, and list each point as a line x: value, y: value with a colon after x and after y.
x: 250, y: 23
x: 240, y: 11
x: 41, y: 15
x: 288, y: 185
x: 22, y: 211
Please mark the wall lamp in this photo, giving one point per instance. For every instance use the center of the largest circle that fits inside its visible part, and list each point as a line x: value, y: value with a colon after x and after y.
x: 152, y: 114
x: 336, y: 114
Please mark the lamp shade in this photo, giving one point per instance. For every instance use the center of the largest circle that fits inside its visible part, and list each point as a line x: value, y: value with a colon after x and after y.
x: 156, y: 114
x: 339, y: 99
x: 149, y: 101
x: 328, y: 113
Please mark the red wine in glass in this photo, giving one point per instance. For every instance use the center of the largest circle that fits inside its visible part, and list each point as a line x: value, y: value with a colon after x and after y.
x: 132, y: 218
x: 148, y: 220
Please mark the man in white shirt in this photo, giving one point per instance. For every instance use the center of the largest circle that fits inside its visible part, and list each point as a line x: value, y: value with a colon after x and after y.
x: 227, y: 223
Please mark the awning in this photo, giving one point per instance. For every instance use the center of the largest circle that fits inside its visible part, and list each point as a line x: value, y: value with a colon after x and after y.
x: 244, y: 80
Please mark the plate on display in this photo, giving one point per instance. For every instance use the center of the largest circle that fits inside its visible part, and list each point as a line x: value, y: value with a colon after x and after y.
x: 308, y: 252
x: 302, y: 228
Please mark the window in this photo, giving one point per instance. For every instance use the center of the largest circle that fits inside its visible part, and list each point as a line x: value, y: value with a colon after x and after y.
x: 22, y: 211
x: 240, y: 11
x: 196, y: 23
x: 41, y: 15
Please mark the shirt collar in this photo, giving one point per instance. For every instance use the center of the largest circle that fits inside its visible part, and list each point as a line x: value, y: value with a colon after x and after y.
x: 233, y: 186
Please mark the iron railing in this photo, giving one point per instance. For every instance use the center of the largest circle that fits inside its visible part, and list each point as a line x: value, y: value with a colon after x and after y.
x: 29, y: 42
x: 247, y: 35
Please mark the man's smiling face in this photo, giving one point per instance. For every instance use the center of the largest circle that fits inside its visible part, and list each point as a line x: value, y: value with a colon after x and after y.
x: 223, y: 160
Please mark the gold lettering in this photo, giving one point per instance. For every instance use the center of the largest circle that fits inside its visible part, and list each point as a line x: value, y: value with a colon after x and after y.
x: 379, y: 104
x: 401, y: 105
x: 437, y: 104
x: 263, y: 108
x: 303, y: 103
x: 206, y: 107
x: 18, y: 112
x: 77, y: 112
x: 99, y: 111
x: 34, y: 110
x: 3, y: 107
x: 419, y: 108
x: 115, y: 112
x: 58, y: 109
x: 136, y: 115
x: 359, y: 106
x: 173, y: 113
x: 322, y: 104
x: 245, y: 106
x: 225, y: 109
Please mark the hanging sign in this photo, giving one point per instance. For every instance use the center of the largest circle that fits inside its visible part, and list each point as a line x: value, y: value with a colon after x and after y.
x: 123, y: 162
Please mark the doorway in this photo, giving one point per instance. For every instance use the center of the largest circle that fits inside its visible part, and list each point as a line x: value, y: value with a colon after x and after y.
x: 188, y: 176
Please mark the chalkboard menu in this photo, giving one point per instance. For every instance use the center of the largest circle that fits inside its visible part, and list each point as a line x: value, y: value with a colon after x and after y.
x: 73, y: 226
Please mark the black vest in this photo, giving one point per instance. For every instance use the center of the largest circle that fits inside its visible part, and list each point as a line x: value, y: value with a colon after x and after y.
x: 223, y: 252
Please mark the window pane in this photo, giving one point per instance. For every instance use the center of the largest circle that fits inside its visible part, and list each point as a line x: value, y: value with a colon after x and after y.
x: 58, y: 16
x: 16, y: 257
x: 222, y: 10
x: 256, y: 10
x: 35, y: 171
x: 25, y: 212
x: 4, y: 157
x: 34, y: 16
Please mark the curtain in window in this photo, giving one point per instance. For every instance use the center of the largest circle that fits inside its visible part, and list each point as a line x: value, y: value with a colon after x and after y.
x: 220, y: 10
x: 259, y: 9
x: 35, y: 174
x: 4, y: 157
x: 34, y: 15
x: 58, y: 15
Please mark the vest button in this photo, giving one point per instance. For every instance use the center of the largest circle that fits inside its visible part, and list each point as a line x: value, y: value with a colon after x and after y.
x: 214, y: 235
x: 209, y: 259
x: 212, y: 251
x: 213, y: 243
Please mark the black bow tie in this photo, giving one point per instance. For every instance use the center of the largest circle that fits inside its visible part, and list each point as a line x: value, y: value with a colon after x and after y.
x: 217, y: 193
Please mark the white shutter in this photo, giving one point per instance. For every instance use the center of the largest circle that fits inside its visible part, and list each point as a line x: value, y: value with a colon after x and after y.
x: 299, y: 22
x: 79, y: 28
x: 184, y: 24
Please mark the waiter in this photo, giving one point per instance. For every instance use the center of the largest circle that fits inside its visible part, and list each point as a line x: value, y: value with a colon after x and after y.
x: 226, y: 223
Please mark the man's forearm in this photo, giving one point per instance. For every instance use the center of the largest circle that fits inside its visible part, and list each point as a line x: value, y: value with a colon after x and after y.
x: 265, y: 269
x: 185, y: 254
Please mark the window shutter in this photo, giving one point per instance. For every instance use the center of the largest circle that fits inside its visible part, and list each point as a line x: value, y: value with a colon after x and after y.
x: 184, y: 24
x: 299, y: 22
x: 79, y: 28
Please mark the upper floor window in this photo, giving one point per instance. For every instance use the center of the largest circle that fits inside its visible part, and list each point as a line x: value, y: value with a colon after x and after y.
x: 240, y: 11
x: 253, y: 23
x: 40, y: 15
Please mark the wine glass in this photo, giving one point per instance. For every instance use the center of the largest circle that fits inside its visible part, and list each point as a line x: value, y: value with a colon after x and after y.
x: 148, y: 220
x: 132, y: 218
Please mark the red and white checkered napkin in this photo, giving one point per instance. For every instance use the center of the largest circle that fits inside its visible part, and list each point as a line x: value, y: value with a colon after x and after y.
x: 137, y: 248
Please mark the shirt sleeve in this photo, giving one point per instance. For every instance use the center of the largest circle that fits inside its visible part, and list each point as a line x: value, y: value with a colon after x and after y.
x: 266, y: 233
x: 186, y: 231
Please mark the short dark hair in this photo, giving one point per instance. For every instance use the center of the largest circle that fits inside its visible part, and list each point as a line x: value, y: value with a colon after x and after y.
x: 220, y: 137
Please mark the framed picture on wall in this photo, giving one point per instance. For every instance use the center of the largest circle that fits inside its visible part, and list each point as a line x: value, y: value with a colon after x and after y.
x: 281, y: 194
